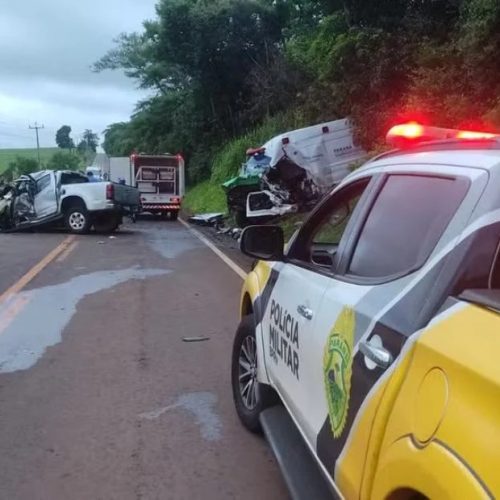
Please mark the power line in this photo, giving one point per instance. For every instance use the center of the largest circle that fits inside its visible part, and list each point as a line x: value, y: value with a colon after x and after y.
x: 37, y: 127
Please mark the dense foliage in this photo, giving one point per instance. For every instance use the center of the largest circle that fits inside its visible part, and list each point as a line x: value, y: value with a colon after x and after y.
x: 60, y: 160
x: 219, y: 69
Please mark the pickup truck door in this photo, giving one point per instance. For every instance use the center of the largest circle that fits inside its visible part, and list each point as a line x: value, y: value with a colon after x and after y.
x: 46, y: 196
x: 387, y: 285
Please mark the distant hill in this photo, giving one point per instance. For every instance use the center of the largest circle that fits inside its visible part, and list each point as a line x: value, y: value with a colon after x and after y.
x: 8, y: 155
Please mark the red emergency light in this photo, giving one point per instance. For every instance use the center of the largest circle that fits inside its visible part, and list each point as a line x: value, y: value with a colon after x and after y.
x: 408, y: 134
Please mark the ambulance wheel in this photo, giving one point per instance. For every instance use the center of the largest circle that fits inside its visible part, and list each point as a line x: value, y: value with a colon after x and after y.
x: 250, y: 397
x: 174, y: 215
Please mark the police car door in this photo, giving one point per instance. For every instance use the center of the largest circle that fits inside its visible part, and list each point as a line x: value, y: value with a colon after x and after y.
x: 295, y: 301
x: 386, y: 286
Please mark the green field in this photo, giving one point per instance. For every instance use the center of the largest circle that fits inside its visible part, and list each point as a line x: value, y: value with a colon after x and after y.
x: 8, y: 155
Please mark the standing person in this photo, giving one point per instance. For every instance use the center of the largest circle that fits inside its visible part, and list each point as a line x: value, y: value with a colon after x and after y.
x: 91, y: 177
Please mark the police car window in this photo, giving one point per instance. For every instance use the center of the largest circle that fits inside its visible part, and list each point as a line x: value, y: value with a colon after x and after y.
x: 42, y: 183
x: 331, y: 231
x: 327, y: 234
x: 494, y: 278
x: 407, y: 220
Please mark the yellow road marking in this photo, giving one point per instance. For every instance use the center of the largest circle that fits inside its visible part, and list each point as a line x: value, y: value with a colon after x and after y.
x: 66, y: 252
x: 237, y: 269
x: 36, y: 270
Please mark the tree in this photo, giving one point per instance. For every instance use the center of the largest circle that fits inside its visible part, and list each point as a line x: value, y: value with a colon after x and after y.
x: 91, y: 140
x: 85, y: 152
x: 118, y: 140
x: 63, y: 139
x: 65, y: 160
x: 218, y: 69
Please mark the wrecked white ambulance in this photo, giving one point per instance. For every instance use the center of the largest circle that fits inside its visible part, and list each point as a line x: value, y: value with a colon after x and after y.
x: 303, y: 165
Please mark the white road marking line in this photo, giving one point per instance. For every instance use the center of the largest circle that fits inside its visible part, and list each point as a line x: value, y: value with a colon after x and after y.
x: 237, y: 269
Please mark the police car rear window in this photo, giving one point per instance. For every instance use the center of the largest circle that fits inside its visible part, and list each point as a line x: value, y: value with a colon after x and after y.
x: 407, y: 220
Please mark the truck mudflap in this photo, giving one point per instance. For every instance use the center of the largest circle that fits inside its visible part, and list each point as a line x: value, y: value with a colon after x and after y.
x: 159, y: 207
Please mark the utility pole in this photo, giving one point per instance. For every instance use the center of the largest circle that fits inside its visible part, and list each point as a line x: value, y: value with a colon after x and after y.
x: 36, y: 127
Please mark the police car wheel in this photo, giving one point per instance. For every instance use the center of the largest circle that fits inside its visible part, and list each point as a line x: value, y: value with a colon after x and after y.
x: 250, y: 396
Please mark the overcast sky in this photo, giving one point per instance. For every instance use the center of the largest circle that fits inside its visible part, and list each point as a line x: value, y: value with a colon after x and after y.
x: 46, y: 49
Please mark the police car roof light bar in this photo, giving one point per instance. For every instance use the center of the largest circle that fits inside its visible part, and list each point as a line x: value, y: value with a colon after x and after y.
x: 410, y: 134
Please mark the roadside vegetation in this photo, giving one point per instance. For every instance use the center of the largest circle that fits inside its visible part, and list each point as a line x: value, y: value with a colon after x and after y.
x: 226, y: 75
x: 16, y: 162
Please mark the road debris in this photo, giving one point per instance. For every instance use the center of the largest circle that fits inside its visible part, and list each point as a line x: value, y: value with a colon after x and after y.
x: 195, y: 339
x: 210, y: 219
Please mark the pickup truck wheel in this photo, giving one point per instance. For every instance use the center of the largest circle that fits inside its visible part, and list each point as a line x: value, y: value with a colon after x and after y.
x: 77, y: 219
x: 250, y: 397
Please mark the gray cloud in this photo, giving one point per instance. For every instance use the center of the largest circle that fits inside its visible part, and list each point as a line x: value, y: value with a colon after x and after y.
x: 46, y: 50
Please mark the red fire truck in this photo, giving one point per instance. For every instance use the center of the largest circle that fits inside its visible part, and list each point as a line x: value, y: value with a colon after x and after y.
x: 161, y: 182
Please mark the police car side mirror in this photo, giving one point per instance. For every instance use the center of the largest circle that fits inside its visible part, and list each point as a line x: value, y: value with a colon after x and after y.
x: 263, y: 242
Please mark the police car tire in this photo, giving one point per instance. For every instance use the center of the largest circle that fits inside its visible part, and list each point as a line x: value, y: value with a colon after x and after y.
x: 266, y: 396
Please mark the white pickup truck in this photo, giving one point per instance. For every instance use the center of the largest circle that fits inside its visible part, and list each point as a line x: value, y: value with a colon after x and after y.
x: 51, y: 197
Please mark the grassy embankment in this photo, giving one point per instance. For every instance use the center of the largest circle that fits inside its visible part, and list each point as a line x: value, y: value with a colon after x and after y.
x: 9, y: 155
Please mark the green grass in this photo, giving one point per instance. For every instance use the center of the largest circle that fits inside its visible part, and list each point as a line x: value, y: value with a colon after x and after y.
x: 9, y: 155
x: 204, y: 198
x: 228, y: 160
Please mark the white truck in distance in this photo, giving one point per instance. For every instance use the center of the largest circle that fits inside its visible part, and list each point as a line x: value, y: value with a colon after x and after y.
x: 49, y: 197
x: 159, y: 178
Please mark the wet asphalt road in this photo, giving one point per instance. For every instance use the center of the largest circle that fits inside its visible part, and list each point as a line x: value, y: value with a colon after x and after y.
x: 100, y: 398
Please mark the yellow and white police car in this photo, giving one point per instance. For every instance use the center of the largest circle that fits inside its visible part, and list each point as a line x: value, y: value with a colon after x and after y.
x: 369, y: 350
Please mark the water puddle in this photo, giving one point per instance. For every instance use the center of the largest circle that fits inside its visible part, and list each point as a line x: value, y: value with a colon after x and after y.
x: 33, y: 320
x: 201, y: 406
x: 171, y: 242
